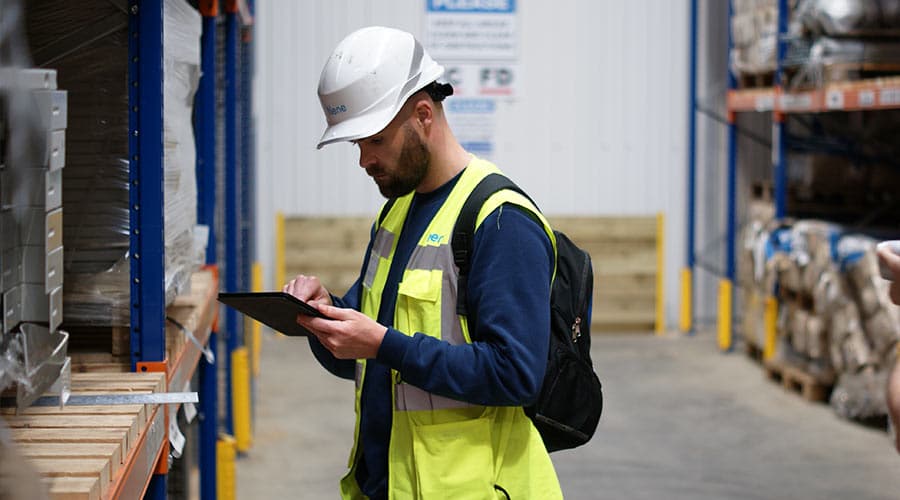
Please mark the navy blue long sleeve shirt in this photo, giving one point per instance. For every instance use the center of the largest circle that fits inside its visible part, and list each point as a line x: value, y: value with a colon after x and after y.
x: 509, y: 290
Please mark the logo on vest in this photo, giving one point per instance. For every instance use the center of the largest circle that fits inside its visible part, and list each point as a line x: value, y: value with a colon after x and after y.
x: 435, y: 238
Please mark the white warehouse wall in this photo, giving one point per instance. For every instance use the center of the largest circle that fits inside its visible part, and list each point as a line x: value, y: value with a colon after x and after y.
x: 599, y: 126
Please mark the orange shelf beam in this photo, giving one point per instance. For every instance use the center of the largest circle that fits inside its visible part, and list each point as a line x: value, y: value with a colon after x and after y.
x: 873, y: 94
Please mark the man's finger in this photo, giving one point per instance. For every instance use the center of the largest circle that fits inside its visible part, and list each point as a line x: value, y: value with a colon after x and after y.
x: 332, y: 312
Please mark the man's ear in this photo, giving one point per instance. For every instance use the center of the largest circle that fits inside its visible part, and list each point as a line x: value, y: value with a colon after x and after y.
x: 424, y: 112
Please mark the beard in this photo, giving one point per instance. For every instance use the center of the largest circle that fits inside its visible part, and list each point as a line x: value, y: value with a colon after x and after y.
x: 412, y: 166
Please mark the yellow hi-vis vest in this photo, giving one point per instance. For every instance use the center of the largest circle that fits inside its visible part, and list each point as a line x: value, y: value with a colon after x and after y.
x: 441, y: 448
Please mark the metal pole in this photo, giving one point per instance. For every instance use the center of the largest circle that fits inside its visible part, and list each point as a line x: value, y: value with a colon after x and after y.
x: 145, y: 147
x: 726, y: 286
x: 146, y: 193
x: 205, y: 128
x: 233, y: 324
x: 687, y: 275
x: 779, y: 132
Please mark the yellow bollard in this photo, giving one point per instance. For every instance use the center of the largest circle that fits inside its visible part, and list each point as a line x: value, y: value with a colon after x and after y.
x: 725, y: 314
x: 240, y: 386
x: 255, y: 330
x: 770, y: 320
x: 226, y: 454
x: 686, y: 320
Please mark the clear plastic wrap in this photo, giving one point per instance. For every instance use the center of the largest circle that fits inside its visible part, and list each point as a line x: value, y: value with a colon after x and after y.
x: 848, y: 17
x: 860, y: 395
x: 851, y: 56
x: 95, y: 192
x: 835, y: 317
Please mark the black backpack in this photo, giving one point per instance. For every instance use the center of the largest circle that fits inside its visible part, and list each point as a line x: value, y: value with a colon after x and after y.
x: 568, y: 408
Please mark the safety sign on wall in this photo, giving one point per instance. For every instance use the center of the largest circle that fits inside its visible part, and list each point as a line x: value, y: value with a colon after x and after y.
x: 477, y: 43
x: 472, y: 121
x: 487, y: 79
x: 472, y: 29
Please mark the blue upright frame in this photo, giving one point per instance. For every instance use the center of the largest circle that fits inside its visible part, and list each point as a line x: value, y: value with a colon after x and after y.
x: 248, y: 194
x: 731, y: 188
x: 205, y: 131
x: 233, y: 324
x: 692, y: 155
x: 146, y: 177
x: 145, y: 146
x: 248, y: 185
x: 779, y: 129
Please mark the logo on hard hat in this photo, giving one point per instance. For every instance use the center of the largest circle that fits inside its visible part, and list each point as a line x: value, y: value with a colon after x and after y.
x: 336, y: 110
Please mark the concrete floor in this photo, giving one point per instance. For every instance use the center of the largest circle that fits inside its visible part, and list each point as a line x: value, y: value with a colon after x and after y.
x: 681, y: 421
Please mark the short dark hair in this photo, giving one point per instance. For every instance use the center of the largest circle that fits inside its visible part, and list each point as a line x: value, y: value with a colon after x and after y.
x: 438, y: 91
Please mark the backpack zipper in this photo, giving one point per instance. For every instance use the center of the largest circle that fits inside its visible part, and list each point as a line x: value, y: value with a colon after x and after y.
x: 576, y: 329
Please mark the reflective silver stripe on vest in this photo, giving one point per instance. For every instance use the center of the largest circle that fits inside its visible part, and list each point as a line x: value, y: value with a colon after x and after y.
x: 410, y: 398
x: 381, y: 248
x: 435, y: 258
x: 440, y: 258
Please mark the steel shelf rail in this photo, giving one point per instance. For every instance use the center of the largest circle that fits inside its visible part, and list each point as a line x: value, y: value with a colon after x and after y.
x: 233, y: 324
x: 248, y: 211
x: 862, y: 95
x: 685, y: 323
x: 146, y: 248
x: 205, y: 128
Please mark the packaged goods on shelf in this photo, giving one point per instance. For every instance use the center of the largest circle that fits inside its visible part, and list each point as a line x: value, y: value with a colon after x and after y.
x: 96, y: 179
x: 836, y: 40
x: 860, y: 395
x: 33, y: 352
x: 848, y: 17
x: 754, y: 29
x: 835, y: 316
x: 836, y: 59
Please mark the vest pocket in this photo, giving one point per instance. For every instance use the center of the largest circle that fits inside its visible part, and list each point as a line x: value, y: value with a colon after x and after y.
x: 419, y: 303
x: 454, y: 460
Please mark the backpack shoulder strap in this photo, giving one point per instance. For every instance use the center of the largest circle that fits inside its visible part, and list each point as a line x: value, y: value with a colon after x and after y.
x: 464, y: 230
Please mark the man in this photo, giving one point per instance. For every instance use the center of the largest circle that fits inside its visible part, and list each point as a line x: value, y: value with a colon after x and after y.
x: 439, y: 397
x: 889, y: 260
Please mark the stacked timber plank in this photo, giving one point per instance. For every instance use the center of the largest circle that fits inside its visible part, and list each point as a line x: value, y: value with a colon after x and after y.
x: 83, y: 451
x: 194, y: 309
x: 623, y: 250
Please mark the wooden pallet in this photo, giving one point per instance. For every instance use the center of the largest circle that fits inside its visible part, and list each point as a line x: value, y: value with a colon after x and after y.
x: 194, y: 309
x: 794, y: 378
x: 755, y: 80
x: 81, y: 452
x: 845, y: 72
x: 753, y: 351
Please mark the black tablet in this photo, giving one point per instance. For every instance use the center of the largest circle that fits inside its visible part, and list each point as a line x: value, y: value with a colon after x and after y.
x: 277, y: 310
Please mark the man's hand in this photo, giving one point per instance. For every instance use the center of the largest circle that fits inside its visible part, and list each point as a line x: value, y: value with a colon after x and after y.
x: 348, y: 334
x: 308, y: 289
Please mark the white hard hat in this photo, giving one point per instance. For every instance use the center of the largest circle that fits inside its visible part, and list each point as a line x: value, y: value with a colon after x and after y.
x: 367, y: 79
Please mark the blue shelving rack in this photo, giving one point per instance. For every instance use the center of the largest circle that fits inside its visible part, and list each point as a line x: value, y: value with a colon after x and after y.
x: 862, y: 95
x: 146, y: 201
